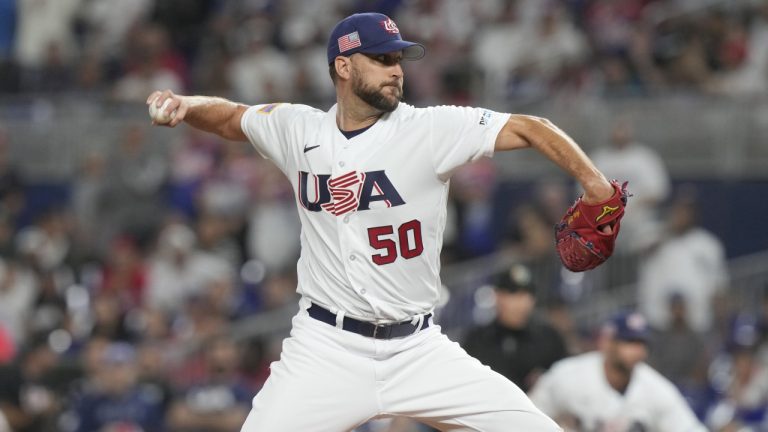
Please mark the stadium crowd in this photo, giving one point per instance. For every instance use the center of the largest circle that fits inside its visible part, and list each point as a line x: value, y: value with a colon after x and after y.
x: 117, y: 300
x: 272, y: 50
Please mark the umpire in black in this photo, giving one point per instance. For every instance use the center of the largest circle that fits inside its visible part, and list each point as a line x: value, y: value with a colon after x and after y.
x: 518, y: 344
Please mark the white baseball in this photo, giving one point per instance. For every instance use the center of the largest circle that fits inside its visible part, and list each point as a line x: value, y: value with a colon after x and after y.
x: 158, y: 114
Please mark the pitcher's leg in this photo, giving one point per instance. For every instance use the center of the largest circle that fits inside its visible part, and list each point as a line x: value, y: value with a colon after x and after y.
x: 439, y: 383
x: 315, y: 386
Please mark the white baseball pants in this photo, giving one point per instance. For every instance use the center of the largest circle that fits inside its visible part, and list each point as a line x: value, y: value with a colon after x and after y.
x: 332, y: 380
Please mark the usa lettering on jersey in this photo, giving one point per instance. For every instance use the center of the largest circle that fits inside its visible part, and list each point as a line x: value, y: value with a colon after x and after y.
x: 348, y: 192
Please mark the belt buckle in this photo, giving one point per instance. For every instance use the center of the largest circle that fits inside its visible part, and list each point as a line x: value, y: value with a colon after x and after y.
x: 384, y: 329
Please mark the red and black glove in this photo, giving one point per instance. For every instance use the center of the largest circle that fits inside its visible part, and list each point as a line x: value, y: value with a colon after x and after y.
x: 580, y: 240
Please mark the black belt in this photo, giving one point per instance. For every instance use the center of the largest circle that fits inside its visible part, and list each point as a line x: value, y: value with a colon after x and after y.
x: 365, y: 328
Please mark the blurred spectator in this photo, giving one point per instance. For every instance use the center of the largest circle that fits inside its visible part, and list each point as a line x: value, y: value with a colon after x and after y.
x: 215, y: 236
x: 609, y: 23
x: 114, y: 400
x: 519, y: 344
x: 43, y: 26
x: 680, y: 51
x: 153, y: 362
x: 220, y: 401
x: 198, y: 321
x: 679, y: 352
x: 124, y: 275
x: 28, y: 402
x: 508, y: 57
x: 18, y: 289
x: 559, y: 45
x: 47, y: 244
x: 154, y: 325
x: 529, y: 238
x: 88, y: 202
x: 688, y: 261
x: 531, y: 232
x: 152, y: 66
x: 643, y: 168
x: 306, y: 41
x: 255, y: 361
x: 740, y: 381
x: 278, y: 289
x: 53, y: 75
x: 179, y: 271
x: 262, y: 73
x: 273, y: 221
x: 226, y: 191
x: 7, y: 233
x: 499, y: 47
x: 7, y: 346
x: 446, y: 27
x: 192, y: 162
x: 50, y: 307
x: 109, y: 318
x: 109, y: 22
x: 473, y: 187
x: 613, y: 388
x: 136, y: 176
x: 746, y: 55
x: 184, y: 20
x: 11, y: 182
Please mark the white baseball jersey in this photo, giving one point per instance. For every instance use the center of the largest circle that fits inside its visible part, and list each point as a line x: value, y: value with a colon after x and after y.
x: 372, y: 207
x: 576, y: 388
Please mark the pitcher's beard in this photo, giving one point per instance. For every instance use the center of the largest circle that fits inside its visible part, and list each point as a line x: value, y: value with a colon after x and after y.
x: 376, y: 97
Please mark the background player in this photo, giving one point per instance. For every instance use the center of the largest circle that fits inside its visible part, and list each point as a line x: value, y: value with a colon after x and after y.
x: 371, y: 179
x: 612, y: 389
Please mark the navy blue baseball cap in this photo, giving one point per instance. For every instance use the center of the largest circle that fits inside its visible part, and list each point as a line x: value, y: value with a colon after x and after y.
x: 629, y: 327
x: 370, y: 33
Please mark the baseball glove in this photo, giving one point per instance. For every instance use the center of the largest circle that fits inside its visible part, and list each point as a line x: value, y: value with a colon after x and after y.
x: 580, y: 241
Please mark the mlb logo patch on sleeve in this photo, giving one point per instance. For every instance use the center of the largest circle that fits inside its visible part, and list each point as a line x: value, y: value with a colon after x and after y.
x: 485, y: 118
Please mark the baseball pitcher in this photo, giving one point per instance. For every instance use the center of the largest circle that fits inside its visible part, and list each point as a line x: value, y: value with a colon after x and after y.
x: 371, y: 179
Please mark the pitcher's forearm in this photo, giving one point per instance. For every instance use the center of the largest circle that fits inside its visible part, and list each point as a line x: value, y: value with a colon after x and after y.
x: 215, y: 115
x: 541, y: 134
x: 211, y: 114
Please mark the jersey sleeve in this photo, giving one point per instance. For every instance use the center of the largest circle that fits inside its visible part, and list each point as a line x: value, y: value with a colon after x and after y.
x: 461, y: 135
x: 545, y: 393
x: 270, y: 128
x: 675, y: 413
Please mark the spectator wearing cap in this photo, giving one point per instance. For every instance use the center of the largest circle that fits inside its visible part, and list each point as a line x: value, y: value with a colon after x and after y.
x: 739, y: 380
x: 113, y: 398
x: 613, y: 388
x: 28, y: 401
x: 518, y: 344
x: 220, y: 401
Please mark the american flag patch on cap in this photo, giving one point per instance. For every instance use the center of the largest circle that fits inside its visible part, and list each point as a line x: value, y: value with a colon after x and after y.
x: 349, y: 41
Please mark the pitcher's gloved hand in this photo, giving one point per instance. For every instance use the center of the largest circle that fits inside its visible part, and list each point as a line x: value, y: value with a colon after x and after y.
x: 586, y: 235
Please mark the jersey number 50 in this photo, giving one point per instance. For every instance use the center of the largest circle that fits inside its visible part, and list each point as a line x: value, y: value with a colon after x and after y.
x: 409, y: 239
